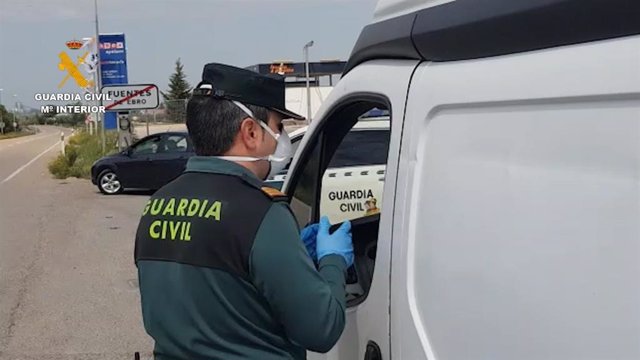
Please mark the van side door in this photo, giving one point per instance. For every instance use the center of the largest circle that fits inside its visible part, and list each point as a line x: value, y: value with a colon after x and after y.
x: 516, y: 232
x: 379, y: 84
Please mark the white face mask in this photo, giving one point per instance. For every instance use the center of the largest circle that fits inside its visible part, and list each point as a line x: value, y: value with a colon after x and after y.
x: 280, y: 158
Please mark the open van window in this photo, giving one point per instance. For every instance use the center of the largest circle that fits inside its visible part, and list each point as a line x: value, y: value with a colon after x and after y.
x: 342, y: 178
x: 353, y: 183
x: 365, y: 146
x: 361, y: 148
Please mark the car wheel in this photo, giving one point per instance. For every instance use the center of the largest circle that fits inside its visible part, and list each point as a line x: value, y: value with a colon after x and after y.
x: 108, y: 183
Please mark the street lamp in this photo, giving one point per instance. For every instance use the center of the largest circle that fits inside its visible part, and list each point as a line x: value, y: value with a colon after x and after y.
x: 1, y: 96
x: 306, y: 63
x: 15, y: 109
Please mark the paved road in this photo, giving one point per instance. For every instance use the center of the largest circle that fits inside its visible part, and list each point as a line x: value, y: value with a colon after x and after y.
x: 67, y: 280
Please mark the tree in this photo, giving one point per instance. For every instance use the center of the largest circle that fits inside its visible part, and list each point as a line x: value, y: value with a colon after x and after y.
x: 46, y: 118
x: 6, y: 118
x: 77, y: 119
x: 176, y: 97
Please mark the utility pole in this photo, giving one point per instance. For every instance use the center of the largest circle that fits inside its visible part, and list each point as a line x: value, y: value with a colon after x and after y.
x: 306, y: 62
x: 92, y: 119
x: 98, y: 82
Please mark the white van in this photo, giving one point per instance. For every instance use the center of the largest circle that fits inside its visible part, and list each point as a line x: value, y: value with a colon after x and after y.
x: 511, y: 225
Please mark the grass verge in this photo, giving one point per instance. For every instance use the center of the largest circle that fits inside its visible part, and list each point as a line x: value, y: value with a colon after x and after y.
x: 16, y: 134
x: 80, y: 153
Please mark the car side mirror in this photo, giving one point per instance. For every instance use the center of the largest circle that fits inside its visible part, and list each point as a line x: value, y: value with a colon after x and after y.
x: 127, y: 151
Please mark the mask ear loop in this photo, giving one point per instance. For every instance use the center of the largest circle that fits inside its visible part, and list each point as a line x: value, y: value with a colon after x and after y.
x: 261, y: 122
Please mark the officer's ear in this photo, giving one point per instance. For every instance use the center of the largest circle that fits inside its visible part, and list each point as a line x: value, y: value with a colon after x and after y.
x: 250, y: 133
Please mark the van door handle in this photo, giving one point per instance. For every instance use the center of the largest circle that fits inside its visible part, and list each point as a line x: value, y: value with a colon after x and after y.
x: 373, y: 352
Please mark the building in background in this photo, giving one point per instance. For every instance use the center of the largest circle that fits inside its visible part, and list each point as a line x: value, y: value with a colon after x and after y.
x: 322, y: 76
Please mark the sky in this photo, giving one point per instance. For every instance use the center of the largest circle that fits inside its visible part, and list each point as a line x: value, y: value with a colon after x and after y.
x: 158, y: 32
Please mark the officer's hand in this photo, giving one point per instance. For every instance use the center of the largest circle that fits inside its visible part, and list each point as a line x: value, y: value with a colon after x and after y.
x: 308, y: 235
x: 337, y: 243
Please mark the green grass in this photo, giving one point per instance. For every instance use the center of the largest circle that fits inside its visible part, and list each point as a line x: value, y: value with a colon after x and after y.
x: 80, y: 153
x: 16, y: 134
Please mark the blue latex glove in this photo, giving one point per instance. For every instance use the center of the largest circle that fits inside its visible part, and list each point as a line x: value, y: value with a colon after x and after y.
x: 337, y: 243
x: 308, y: 236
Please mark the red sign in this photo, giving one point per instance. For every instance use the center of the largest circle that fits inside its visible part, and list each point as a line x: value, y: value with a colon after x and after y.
x: 111, y: 46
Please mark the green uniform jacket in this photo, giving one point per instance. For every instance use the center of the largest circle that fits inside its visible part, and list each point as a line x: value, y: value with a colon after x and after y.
x: 224, y: 275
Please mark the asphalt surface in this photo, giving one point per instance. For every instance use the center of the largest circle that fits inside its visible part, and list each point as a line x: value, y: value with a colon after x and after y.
x: 68, y: 285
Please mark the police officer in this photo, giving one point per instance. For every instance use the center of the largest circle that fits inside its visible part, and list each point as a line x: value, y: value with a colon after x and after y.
x: 223, y: 272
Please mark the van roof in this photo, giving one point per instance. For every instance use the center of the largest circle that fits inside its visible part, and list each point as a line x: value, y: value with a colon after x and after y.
x: 451, y: 30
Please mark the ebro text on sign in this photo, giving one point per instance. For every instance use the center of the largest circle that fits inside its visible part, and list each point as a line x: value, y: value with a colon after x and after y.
x: 131, y: 97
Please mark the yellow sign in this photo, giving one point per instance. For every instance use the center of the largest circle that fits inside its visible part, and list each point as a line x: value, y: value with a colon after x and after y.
x: 66, y: 64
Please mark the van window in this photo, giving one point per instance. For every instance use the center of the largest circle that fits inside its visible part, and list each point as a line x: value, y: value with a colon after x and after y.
x: 362, y: 147
x: 295, y: 143
x: 304, y: 197
x: 341, y: 175
x: 352, y: 186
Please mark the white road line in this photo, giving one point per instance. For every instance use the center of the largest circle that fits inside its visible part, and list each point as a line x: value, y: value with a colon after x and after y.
x: 29, y: 163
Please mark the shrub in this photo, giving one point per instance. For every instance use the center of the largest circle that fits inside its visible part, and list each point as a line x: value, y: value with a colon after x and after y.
x: 81, y: 152
x: 59, y: 168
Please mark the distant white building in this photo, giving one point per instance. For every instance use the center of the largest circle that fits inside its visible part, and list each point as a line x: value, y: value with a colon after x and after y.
x: 322, y: 75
